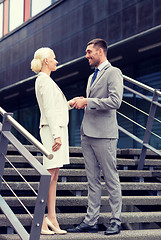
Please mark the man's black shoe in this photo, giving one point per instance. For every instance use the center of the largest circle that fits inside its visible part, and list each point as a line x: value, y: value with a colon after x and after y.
x: 83, y: 227
x: 114, y: 228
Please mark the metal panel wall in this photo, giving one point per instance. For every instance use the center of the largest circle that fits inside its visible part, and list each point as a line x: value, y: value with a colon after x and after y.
x: 68, y: 27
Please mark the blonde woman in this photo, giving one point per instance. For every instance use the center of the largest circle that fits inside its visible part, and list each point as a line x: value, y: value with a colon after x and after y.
x: 53, y: 128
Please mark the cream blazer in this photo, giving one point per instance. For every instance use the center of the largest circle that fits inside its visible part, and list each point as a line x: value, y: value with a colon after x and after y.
x: 52, y: 104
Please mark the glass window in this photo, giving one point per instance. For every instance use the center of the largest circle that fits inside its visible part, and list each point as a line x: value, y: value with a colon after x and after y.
x: 39, y: 5
x: 16, y: 14
x: 1, y: 20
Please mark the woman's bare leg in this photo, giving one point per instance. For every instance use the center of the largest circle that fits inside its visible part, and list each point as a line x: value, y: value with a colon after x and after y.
x: 51, y: 202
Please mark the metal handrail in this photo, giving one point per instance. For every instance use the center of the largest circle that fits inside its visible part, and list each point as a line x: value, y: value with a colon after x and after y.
x: 151, y: 117
x: 29, y: 185
x: 5, y: 137
x: 17, y: 197
x: 142, y: 85
x: 27, y: 135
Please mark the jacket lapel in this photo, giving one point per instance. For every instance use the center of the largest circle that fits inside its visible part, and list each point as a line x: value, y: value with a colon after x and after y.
x: 89, y: 89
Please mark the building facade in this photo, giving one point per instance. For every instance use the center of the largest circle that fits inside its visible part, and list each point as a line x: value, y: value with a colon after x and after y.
x: 132, y: 29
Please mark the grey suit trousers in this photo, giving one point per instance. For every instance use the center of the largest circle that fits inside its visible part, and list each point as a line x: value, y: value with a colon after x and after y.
x: 100, y: 154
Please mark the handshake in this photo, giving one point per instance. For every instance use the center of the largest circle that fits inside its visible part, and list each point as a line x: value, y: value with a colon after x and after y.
x: 78, y: 102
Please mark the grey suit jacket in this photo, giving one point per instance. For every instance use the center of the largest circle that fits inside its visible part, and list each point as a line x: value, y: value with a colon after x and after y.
x: 104, y: 98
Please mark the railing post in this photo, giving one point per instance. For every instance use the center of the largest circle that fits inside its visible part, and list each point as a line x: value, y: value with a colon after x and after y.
x: 6, y: 126
x: 148, y: 130
x: 3, y: 149
x: 40, y: 208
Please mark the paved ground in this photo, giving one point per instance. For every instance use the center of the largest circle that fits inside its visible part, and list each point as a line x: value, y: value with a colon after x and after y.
x: 124, y: 235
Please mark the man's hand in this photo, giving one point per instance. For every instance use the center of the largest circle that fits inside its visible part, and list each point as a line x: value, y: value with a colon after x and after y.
x: 80, y: 103
x: 57, y: 144
x: 73, y: 101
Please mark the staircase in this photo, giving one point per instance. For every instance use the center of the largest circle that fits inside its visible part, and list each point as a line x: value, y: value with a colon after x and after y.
x: 141, y: 216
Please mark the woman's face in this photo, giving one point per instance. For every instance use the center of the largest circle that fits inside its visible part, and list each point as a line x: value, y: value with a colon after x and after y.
x: 52, y: 62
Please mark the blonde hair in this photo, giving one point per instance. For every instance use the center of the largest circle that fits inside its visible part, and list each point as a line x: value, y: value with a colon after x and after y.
x: 40, y: 54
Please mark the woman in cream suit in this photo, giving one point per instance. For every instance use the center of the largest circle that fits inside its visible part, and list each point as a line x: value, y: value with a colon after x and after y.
x: 53, y: 127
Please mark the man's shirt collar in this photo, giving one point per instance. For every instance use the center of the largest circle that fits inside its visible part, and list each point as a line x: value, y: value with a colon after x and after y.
x: 102, y: 65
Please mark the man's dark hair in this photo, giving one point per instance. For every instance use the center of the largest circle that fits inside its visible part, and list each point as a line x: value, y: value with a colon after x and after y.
x: 98, y: 42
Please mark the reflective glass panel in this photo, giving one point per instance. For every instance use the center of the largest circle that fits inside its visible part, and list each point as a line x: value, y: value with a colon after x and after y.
x: 15, y: 13
x: 39, y: 5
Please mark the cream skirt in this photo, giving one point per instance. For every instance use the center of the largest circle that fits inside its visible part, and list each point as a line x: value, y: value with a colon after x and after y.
x: 61, y: 157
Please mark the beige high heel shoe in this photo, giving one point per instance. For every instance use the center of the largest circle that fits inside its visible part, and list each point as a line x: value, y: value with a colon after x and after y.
x: 47, y: 232
x: 54, y: 229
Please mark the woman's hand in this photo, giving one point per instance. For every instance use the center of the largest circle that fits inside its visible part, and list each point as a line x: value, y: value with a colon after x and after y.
x: 72, y: 101
x: 57, y: 144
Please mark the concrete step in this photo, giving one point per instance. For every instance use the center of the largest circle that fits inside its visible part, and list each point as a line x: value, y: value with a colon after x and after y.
x: 83, y: 201
x: 125, y: 157
x: 68, y: 219
x: 124, y: 186
x: 148, y: 234
x: 83, y: 186
x: 80, y: 160
x: 134, y: 152
x: 82, y: 173
x: 31, y: 148
x: 120, y: 161
x: 78, y: 150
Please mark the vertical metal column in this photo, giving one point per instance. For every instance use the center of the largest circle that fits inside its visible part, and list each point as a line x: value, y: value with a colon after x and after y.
x: 6, y: 127
x: 148, y: 130
x: 4, y: 144
x: 40, y: 207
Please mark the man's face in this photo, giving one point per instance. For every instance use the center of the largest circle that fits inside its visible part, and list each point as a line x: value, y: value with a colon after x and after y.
x: 92, y: 54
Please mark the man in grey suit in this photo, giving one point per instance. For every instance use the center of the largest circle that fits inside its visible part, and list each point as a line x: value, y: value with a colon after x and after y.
x: 99, y: 135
